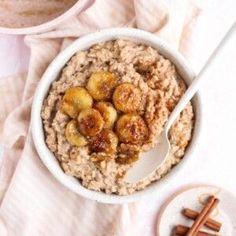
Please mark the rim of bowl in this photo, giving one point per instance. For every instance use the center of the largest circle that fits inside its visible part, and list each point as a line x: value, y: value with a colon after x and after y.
x: 43, y: 27
x: 52, y: 73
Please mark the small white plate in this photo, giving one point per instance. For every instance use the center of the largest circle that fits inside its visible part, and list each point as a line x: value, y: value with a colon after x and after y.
x: 193, y: 198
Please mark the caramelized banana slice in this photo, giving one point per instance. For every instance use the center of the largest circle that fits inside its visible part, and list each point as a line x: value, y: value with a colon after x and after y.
x: 131, y: 129
x: 127, y: 98
x: 108, y: 113
x: 99, y: 157
x: 73, y: 136
x: 101, y: 84
x: 106, y: 141
x: 90, y: 122
x: 127, y: 157
x: 127, y: 153
x: 75, y: 100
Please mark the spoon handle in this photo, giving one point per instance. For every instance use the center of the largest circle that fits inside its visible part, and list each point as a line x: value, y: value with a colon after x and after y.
x: 193, y: 88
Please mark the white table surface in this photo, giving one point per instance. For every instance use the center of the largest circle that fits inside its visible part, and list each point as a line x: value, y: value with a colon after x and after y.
x: 214, y: 159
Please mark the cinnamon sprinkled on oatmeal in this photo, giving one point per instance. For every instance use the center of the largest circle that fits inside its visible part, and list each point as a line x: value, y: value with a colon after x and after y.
x: 160, y: 88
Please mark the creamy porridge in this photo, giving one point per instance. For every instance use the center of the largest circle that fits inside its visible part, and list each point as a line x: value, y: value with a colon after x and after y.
x: 108, y: 106
x: 26, y: 13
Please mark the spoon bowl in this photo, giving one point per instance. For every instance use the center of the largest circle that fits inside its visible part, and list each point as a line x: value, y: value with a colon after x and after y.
x: 149, y: 160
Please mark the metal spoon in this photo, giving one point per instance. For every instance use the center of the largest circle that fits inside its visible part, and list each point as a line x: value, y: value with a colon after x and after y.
x: 153, y: 159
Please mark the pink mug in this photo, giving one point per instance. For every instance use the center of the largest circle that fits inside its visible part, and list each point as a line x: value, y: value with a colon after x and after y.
x: 41, y: 25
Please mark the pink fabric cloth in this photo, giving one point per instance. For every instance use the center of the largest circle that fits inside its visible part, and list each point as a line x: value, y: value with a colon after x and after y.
x: 32, y: 202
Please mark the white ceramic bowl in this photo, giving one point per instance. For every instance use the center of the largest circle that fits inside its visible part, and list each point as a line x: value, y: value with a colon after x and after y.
x: 52, y: 74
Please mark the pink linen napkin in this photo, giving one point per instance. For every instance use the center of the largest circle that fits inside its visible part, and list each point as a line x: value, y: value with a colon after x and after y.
x: 32, y: 202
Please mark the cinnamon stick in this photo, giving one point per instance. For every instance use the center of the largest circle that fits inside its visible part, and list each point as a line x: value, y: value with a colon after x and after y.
x: 203, y: 215
x: 210, y: 223
x: 181, y: 230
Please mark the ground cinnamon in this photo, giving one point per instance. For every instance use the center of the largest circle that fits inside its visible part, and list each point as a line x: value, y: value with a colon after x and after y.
x: 181, y: 230
x: 203, y: 215
x: 210, y: 223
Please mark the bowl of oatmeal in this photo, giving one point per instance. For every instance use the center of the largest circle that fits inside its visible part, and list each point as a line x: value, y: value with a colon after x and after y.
x: 102, y: 102
x: 31, y: 16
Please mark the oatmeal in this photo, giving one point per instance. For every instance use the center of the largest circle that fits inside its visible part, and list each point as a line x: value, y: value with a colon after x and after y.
x: 108, y: 106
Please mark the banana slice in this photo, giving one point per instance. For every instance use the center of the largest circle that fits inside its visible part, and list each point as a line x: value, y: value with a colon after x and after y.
x: 131, y: 129
x: 73, y: 136
x: 108, y: 113
x: 101, y: 84
x: 105, y: 142
x: 99, y: 157
x: 127, y: 157
x: 127, y: 98
x: 90, y: 122
x: 75, y: 100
